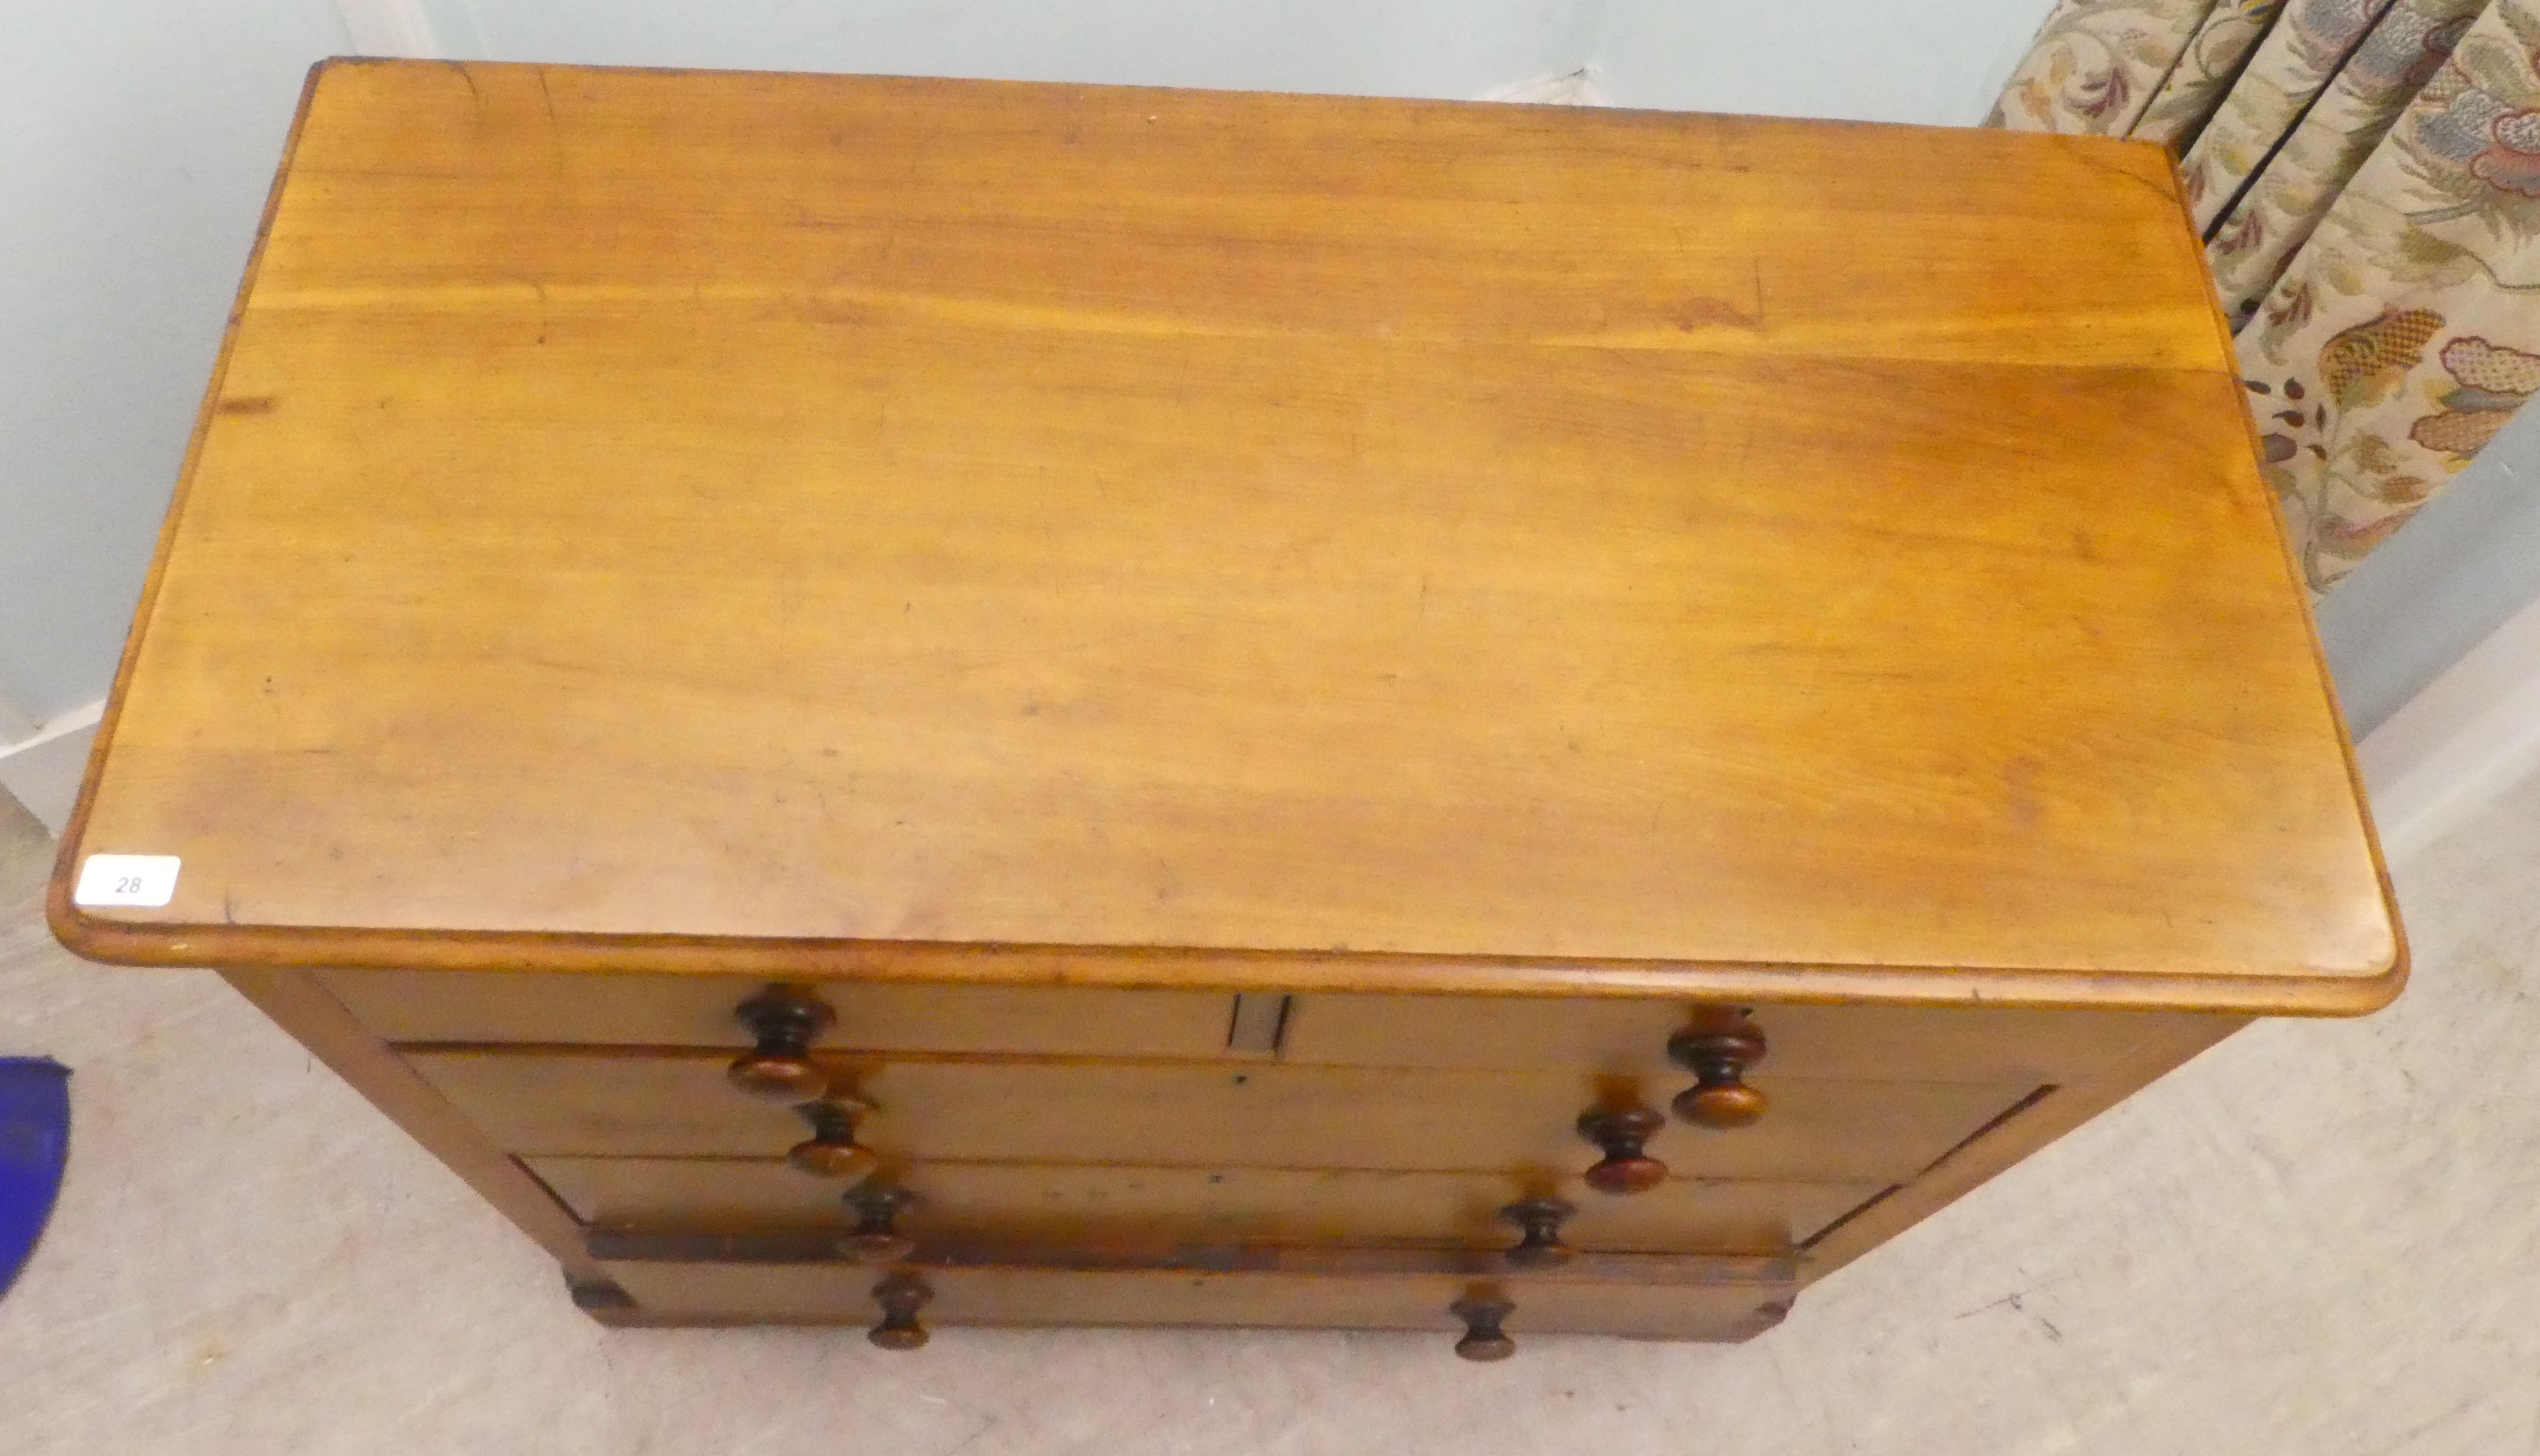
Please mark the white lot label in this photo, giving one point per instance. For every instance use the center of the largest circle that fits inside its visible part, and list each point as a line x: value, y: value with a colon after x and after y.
x: 126, y: 879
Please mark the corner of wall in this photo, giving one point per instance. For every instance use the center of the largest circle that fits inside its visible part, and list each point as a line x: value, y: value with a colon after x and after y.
x: 43, y: 772
x: 2460, y: 745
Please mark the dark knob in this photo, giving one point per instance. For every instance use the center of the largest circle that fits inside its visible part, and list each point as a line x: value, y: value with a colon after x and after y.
x: 1483, y: 1340
x: 1541, y: 1219
x: 900, y: 1298
x: 878, y: 1206
x: 779, y: 1069
x: 832, y: 1152
x: 1718, y: 1049
x: 1621, y: 1134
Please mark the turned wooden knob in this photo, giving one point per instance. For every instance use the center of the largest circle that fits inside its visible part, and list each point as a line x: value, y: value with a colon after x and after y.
x: 1540, y: 1218
x: 1621, y: 1136
x: 878, y: 1206
x: 832, y: 1152
x: 900, y: 1298
x: 779, y: 1069
x: 1483, y: 1340
x: 1717, y: 1052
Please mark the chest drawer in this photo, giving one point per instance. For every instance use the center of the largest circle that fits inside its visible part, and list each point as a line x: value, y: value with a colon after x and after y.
x: 823, y: 1293
x: 1629, y: 1036
x: 1063, y: 1203
x: 1193, y: 1115
x: 701, y: 1011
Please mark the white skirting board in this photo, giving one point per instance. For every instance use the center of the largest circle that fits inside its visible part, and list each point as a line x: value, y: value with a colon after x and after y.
x: 2462, y: 743
x: 44, y: 772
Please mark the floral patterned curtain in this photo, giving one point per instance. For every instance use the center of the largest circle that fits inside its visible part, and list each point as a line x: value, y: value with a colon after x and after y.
x: 2367, y: 177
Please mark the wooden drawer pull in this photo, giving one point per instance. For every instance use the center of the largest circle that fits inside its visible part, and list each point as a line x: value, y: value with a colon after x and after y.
x: 1718, y: 1049
x: 1621, y: 1134
x: 901, y: 1296
x: 876, y: 1239
x: 1483, y: 1340
x: 1540, y: 1218
x: 832, y: 1152
x: 784, y: 1020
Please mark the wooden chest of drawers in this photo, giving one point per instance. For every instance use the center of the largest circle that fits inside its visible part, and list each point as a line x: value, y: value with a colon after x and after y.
x: 902, y: 703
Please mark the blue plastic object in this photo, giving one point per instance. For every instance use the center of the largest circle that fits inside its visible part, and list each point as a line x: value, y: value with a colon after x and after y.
x: 34, y: 1143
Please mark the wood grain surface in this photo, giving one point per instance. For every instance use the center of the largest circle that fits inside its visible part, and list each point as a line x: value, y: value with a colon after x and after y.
x: 790, y: 516
x: 1999, y: 1044
x: 698, y: 1012
x: 691, y: 1294
x: 1195, y: 1114
x: 1060, y: 1205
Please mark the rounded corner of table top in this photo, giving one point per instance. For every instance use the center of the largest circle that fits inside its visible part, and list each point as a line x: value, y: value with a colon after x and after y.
x: 2360, y: 989
x: 110, y: 934
x: 94, y: 936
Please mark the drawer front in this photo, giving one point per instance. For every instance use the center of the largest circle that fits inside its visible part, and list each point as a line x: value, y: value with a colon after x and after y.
x: 1630, y: 1036
x: 1194, y: 1115
x: 1066, y: 1205
x: 697, y: 1012
x: 823, y: 1293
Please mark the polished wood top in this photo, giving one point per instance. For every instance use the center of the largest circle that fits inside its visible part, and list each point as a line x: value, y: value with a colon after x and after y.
x: 723, y: 521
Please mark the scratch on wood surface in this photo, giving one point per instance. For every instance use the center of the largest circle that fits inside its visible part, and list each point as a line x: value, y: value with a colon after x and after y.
x: 2087, y: 157
x: 473, y: 92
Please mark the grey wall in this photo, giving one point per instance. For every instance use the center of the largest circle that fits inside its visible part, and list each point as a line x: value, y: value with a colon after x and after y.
x: 1934, y: 61
x: 2467, y: 561
x: 1390, y: 47
x: 136, y: 140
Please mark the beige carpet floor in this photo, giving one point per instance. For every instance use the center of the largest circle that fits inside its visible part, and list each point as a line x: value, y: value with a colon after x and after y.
x: 2317, y: 1239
